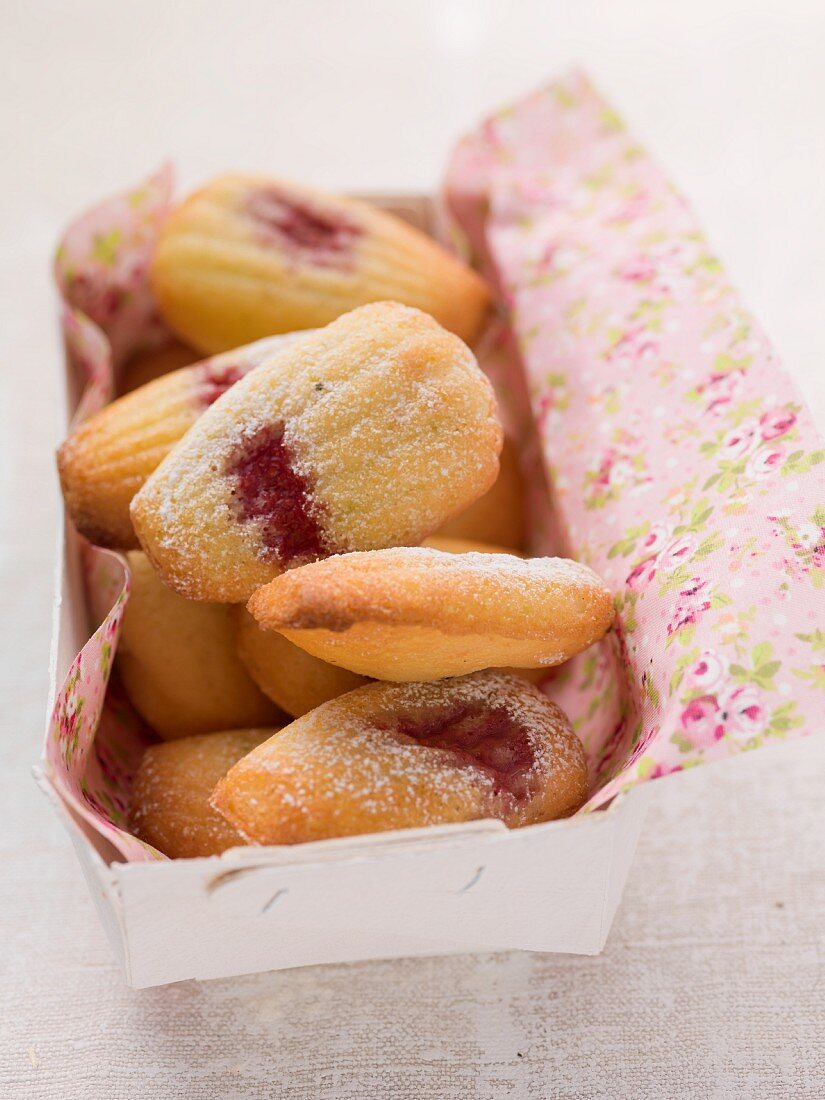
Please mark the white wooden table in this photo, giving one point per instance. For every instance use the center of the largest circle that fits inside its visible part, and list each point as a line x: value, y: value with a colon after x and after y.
x: 712, y: 981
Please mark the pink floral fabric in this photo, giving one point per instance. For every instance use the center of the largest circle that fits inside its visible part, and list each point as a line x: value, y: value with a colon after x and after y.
x: 102, y: 264
x: 685, y: 468
x: 95, y: 739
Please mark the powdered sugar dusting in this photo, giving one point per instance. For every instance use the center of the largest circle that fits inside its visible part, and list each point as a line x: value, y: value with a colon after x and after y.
x: 403, y: 441
x: 482, y: 579
x: 389, y: 424
x: 170, y: 800
x: 214, y: 376
x: 489, y: 741
x: 556, y: 600
x: 517, y: 569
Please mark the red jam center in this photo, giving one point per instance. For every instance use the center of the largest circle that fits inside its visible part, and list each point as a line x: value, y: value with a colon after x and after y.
x: 306, y: 231
x: 215, y: 379
x: 487, y: 738
x: 267, y: 490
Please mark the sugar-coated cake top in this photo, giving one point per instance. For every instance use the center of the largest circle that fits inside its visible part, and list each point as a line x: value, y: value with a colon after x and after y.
x: 491, y: 732
x: 422, y: 586
x: 384, y: 424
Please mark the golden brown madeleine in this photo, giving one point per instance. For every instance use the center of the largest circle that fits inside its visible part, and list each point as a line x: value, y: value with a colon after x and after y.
x: 247, y: 256
x: 370, y: 432
x: 146, y: 366
x: 401, y: 756
x: 299, y: 682
x: 414, y: 613
x: 289, y: 676
x: 108, y: 457
x: 178, y: 662
x: 170, y: 797
x: 469, y: 546
x: 498, y: 516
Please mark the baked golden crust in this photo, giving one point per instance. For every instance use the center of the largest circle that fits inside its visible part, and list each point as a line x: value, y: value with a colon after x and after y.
x: 368, y: 433
x: 178, y: 662
x: 416, y: 613
x: 108, y: 457
x: 170, y: 797
x: 498, y: 516
x: 469, y: 546
x: 295, y: 680
x: 394, y: 756
x: 247, y: 256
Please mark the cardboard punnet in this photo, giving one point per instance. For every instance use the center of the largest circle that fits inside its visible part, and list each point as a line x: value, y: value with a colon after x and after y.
x: 435, y: 891
x: 685, y: 469
x: 452, y: 889
x: 475, y: 887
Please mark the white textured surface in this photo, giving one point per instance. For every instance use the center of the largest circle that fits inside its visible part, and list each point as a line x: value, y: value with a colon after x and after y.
x: 712, y: 981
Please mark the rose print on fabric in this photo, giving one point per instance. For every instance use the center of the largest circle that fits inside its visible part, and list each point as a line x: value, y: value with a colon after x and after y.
x: 730, y: 700
x: 620, y: 469
x: 690, y: 473
x: 95, y: 739
x: 805, y: 542
x: 720, y: 390
x: 101, y: 266
x: 692, y: 603
x: 812, y: 671
x: 632, y: 348
x: 757, y: 448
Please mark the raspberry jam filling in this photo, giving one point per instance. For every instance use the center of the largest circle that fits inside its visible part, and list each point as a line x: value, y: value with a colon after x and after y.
x: 488, y: 738
x: 215, y: 379
x: 309, y: 233
x: 267, y: 490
